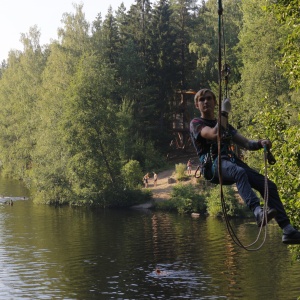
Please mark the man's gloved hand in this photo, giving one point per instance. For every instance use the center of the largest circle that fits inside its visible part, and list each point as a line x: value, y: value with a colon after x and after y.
x: 266, y: 143
x: 226, y: 106
x: 225, y: 109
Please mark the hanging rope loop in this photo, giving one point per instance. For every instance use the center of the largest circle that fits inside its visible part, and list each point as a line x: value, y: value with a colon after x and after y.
x: 224, y: 73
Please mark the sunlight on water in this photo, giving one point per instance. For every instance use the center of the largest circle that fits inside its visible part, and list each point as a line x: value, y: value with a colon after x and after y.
x: 65, y: 253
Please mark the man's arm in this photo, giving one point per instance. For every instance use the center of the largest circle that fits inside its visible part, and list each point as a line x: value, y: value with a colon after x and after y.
x: 210, y: 133
x: 250, y: 144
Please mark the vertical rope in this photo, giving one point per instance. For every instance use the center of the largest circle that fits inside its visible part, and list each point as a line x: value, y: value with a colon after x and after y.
x: 220, y: 12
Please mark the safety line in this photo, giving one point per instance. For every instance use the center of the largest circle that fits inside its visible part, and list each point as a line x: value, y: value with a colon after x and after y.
x: 219, y: 137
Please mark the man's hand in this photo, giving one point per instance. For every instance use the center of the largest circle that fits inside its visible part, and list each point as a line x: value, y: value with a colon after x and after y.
x: 266, y: 143
x: 226, y: 106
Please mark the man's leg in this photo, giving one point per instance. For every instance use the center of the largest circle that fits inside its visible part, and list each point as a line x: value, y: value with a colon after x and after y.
x: 257, y: 181
x: 244, y: 177
x: 231, y: 172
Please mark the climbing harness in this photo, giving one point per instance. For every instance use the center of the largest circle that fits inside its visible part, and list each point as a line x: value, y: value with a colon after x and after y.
x: 207, y: 166
x: 224, y: 73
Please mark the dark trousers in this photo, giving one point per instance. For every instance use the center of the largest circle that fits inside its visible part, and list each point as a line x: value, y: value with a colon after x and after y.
x: 245, y: 179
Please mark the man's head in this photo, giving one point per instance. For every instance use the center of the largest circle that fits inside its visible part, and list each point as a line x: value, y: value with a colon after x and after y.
x: 202, y: 94
x: 205, y: 101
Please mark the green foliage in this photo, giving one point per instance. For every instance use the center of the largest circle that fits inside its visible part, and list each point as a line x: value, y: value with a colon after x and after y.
x: 152, y: 157
x: 187, y: 199
x: 276, y: 123
x: 114, y: 198
x: 260, y: 75
x: 80, y: 149
x: 19, y: 92
x: 125, y: 198
x: 214, y: 205
x: 184, y: 199
x: 58, y: 194
x: 288, y: 15
x: 77, y: 110
x: 132, y: 174
x: 180, y: 171
x: 90, y: 136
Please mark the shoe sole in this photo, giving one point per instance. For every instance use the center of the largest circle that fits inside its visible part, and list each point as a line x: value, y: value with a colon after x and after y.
x: 270, y: 215
x: 288, y: 239
x: 291, y: 242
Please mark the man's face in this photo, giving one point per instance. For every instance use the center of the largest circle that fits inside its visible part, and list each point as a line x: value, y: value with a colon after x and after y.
x: 206, y: 103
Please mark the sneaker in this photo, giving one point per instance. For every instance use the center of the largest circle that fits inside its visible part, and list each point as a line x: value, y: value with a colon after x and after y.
x: 292, y: 238
x: 271, y: 213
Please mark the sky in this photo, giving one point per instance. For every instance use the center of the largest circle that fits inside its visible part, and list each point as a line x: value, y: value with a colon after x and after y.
x: 17, y: 16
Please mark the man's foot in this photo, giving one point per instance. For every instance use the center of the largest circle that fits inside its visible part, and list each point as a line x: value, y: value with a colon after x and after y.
x: 271, y: 213
x: 291, y: 238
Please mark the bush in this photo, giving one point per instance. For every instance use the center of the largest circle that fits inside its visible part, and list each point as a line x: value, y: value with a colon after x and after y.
x: 186, y: 199
x: 233, y: 207
x: 180, y: 172
x: 132, y: 174
x: 129, y: 197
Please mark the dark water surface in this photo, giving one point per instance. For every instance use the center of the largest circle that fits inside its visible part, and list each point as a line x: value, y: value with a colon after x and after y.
x: 67, y: 253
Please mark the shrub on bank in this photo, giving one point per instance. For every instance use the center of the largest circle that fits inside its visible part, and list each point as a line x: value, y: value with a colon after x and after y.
x: 233, y: 207
x: 184, y: 199
x: 189, y: 198
x: 180, y: 172
x: 129, y: 197
x: 132, y: 174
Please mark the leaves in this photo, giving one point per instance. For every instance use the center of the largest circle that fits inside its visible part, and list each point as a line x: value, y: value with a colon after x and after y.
x: 275, y: 123
x: 74, y: 112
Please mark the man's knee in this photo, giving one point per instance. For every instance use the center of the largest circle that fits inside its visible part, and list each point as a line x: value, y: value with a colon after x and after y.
x: 272, y: 185
x: 234, y: 172
x: 239, y: 173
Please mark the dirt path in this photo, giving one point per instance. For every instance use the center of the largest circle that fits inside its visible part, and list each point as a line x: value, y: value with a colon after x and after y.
x: 165, y: 183
x: 163, y: 188
x: 166, y: 180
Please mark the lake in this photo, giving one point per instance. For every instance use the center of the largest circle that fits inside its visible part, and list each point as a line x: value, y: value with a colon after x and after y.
x: 80, y: 253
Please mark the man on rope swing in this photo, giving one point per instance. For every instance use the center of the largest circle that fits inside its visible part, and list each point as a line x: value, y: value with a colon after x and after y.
x: 204, y: 134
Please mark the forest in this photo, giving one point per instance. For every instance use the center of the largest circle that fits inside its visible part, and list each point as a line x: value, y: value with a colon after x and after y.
x: 83, y: 117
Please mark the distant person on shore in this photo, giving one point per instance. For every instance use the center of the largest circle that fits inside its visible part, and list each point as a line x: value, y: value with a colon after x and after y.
x: 154, y: 178
x: 145, y: 180
x: 204, y: 135
x: 189, y: 167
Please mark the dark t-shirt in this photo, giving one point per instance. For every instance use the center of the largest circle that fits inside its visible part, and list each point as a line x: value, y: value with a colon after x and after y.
x: 202, y: 145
